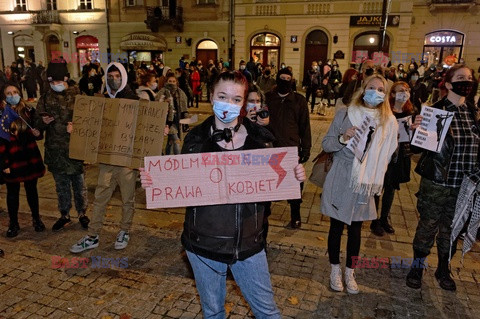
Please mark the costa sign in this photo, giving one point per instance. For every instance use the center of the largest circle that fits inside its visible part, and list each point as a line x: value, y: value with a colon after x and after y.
x: 447, y: 39
x: 444, y: 38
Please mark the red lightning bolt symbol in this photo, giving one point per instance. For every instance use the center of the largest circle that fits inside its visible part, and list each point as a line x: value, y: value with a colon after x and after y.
x: 274, y: 162
x: 224, y: 114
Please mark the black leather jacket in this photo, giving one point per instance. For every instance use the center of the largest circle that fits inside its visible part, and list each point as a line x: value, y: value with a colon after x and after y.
x: 434, y: 166
x: 227, y: 232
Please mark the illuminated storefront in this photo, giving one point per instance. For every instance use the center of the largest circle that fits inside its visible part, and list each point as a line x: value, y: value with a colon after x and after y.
x: 265, y: 49
x: 444, y: 46
x: 143, y: 47
x: 87, y: 49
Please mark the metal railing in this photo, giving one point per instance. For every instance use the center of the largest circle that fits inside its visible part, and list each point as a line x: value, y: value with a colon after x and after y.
x: 45, y: 17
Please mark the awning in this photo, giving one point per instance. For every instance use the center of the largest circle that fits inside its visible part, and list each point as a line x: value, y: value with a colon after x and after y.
x: 86, y: 42
x: 143, y: 42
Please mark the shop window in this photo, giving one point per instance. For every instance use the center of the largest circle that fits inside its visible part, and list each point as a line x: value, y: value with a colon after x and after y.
x: 443, y: 47
x: 366, y: 44
x: 265, y: 49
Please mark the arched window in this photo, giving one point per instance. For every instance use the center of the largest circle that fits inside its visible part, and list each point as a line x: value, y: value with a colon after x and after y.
x: 316, y: 48
x: 265, y: 49
x: 366, y: 43
x: 207, y: 50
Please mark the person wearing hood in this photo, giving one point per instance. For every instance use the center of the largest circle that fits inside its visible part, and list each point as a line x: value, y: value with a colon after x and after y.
x: 54, y: 116
x: 109, y: 176
x: 177, y: 109
x: 290, y: 124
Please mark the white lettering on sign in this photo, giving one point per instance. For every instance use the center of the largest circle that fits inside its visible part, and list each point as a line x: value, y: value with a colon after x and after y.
x: 444, y: 39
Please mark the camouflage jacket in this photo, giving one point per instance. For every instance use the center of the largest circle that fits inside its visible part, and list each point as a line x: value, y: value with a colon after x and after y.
x: 57, y: 139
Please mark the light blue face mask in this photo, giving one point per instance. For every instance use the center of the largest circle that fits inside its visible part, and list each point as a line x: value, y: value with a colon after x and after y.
x: 373, y: 97
x: 58, y: 87
x: 13, y: 99
x: 226, y: 112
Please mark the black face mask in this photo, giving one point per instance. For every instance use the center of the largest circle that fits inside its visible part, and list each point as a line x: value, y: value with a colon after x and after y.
x: 369, y: 72
x: 283, y: 86
x: 268, y: 73
x: 462, y: 88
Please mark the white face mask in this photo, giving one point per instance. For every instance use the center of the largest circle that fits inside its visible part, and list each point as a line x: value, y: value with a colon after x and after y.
x: 253, y: 106
x: 402, y: 97
x: 154, y: 86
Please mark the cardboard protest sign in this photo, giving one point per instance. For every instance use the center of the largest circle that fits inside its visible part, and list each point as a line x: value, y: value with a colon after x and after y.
x: 148, y: 139
x: 117, y: 131
x: 222, y: 177
x: 433, y: 129
x: 404, y: 131
x: 87, y: 122
x: 360, y: 143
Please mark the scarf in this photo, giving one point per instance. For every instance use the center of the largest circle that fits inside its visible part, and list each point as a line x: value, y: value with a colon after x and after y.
x: 467, y: 207
x: 367, y: 177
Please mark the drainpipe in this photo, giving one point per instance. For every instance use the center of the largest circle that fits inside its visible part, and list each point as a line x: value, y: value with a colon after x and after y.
x: 108, y: 30
x: 383, y: 26
x: 231, y: 44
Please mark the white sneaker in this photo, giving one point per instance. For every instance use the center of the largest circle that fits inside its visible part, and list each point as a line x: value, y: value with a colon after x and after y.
x: 85, y: 243
x: 336, y: 278
x: 122, y: 240
x: 352, y: 286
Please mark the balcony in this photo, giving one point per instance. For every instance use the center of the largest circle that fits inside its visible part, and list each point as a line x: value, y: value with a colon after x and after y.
x: 464, y: 5
x: 45, y: 17
x: 164, y: 15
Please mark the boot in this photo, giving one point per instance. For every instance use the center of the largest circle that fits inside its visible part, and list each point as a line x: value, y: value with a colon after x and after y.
x: 414, y: 277
x: 443, y: 274
x: 376, y: 228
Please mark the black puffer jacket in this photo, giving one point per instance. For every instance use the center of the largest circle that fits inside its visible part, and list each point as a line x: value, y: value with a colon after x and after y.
x: 229, y: 232
x: 434, y: 166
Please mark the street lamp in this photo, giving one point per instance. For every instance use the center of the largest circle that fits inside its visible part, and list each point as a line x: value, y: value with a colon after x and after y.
x: 371, y: 40
x: 12, y: 33
x: 79, y: 32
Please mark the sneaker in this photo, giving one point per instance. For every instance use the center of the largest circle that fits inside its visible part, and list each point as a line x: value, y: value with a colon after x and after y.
x: 352, y: 286
x: 122, y: 240
x: 61, y: 222
x: 38, y: 225
x: 336, y: 278
x: 84, y: 220
x: 85, y: 243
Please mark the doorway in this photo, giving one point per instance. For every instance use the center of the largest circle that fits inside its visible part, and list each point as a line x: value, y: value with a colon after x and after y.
x: 52, y: 45
x: 316, y: 49
x: 265, y: 49
x: 206, y: 50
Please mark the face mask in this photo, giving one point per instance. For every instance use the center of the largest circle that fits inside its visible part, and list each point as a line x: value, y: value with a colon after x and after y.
x: 92, y: 73
x: 400, y: 68
x: 335, y: 68
x: 268, y: 72
x: 253, y: 106
x: 414, y: 77
x: 329, y: 63
x: 242, y: 67
x: 58, y: 87
x: 402, y: 97
x: 171, y: 87
x: 373, y: 97
x: 315, y: 67
x: 462, y: 88
x: 283, y: 66
x: 283, y: 86
x: 369, y: 72
x: 114, y: 84
x: 13, y: 99
x: 154, y: 86
x: 226, y: 112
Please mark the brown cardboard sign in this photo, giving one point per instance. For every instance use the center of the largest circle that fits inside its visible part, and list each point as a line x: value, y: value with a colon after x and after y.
x: 222, y: 177
x: 87, y: 123
x: 117, y: 131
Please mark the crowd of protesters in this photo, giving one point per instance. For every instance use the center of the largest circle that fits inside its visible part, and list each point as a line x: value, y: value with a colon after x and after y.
x: 270, y: 113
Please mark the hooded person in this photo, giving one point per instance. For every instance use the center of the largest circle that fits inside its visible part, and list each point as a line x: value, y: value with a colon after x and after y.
x: 53, y: 116
x: 109, y: 176
x: 116, y: 80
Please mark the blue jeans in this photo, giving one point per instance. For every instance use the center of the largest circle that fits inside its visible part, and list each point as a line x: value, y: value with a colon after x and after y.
x: 173, y: 142
x: 252, y: 277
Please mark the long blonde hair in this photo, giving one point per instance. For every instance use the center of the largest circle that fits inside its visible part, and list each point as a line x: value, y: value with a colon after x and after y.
x: 384, y: 107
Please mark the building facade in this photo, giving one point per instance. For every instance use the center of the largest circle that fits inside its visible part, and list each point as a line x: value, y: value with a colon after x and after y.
x: 298, y: 32
x: 46, y: 29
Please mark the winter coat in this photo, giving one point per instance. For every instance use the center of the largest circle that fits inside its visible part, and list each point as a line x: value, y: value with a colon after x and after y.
x: 176, y: 110
x: 21, y: 154
x: 228, y: 232
x: 90, y: 85
x: 195, y: 83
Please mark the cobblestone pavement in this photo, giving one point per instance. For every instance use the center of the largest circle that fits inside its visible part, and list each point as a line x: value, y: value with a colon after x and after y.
x: 158, y: 282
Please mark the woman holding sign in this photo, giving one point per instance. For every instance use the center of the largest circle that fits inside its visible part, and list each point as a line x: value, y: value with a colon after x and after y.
x: 399, y: 168
x: 350, y: 186
x: 218, y: 237
x: 442, y: 175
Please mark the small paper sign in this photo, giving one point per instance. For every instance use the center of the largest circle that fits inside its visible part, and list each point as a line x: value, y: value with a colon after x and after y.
x: 222, y: 178
x: 360, y: 143
x: 433, y: 129
x: 404, y: 131
x: 190, y: 120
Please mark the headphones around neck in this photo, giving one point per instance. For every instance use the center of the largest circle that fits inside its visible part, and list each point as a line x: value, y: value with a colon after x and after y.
x: 223, y: 135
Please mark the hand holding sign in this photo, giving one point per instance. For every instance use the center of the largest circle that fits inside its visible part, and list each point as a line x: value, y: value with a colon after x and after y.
x: 433, y: 129
x: 360, y: 142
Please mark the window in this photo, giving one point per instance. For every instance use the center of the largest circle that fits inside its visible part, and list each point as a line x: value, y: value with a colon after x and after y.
x: 206, y: 1
x: 132, y: 3
x: 86, y: 4
x: 51, y: 4
x: 20, y: 5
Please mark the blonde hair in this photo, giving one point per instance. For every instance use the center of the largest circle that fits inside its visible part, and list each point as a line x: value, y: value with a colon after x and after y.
x: 384, y: 107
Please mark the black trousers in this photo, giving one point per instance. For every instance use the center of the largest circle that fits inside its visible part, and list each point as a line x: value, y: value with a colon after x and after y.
x: 313, y: 93
x: 335, y: 239
x: 13, y: 200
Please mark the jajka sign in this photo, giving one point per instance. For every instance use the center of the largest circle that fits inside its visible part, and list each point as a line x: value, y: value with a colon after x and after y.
x: 222, y: 177
x: 369, y: 20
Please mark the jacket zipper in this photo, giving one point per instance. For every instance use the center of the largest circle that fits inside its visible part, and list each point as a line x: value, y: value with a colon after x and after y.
x: 256, y: 217
x: 237, y: 226
x: 194, y: 216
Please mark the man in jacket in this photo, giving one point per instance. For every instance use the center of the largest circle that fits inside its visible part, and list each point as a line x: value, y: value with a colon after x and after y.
x: 290, y: 124
x: 266, y: 82
x: 109, y: 176
x: 55, y: 109
x: 311, y: 82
